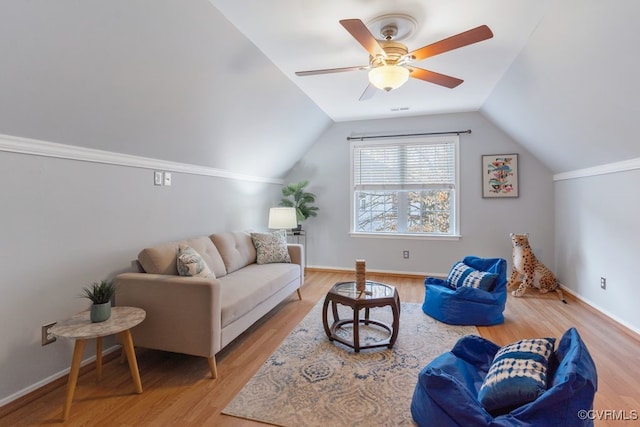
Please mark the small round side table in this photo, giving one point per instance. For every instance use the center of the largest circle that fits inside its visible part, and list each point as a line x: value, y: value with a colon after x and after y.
x: 80, y: 328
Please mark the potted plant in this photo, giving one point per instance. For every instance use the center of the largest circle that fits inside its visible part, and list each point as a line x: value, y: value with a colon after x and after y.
x: 295, y: 196
x: 100, y: 294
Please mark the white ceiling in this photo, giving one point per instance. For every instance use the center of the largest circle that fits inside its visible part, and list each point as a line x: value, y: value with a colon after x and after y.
x: 304, y: 35
x: 559, y: 77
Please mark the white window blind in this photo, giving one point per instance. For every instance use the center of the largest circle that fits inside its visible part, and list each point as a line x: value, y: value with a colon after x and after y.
x: 404, y: 166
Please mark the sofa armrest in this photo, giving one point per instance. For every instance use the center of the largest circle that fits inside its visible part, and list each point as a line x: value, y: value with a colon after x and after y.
x: 296, y: 253
x: 183, y: 313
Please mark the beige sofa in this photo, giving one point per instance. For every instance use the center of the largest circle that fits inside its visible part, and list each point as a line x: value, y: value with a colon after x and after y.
x: 197, y: 315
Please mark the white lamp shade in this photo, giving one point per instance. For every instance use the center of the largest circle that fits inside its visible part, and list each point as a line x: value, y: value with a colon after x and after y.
x: 281, y: 218
x: 388, y: 77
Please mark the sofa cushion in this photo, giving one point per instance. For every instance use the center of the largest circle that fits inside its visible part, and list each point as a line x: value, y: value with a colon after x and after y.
x: 518, y: 375
x: 246, y: 288
x: 190, y: 263
x: 236, y: 249
x: 463, y: 275
x: 271, y: 247
x: 162, y: 259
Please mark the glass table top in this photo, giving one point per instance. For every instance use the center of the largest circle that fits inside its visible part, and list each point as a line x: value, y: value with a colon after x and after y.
x: 373, y: 290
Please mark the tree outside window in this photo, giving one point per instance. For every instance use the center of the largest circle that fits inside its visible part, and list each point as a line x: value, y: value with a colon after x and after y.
x: 405, y: 188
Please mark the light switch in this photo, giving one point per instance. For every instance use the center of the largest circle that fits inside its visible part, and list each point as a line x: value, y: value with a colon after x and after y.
x: 167, y: 178
x: 157, y: 178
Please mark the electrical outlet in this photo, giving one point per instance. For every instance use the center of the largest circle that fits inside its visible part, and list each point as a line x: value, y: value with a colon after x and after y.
x: 47, y: 336
x: 157, y: 178
x: 405, y: 254
x: 603, y: 282
x: 167, y: 178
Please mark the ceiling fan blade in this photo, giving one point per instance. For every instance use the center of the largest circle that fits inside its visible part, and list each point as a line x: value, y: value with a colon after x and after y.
x: 361, y: 33
x: 433, y: 77
x: 331, y: 70
x: 368, y: 93
x: 466, y: 38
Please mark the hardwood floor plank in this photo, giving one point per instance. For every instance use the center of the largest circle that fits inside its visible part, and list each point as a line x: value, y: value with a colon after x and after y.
x: 178, y: 389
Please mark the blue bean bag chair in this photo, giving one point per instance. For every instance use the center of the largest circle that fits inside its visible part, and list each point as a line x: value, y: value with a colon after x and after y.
x: 450, y: 388
x: 474, y: 293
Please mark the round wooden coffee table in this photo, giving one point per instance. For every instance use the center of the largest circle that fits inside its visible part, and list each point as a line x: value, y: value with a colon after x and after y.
x: 375, y: 295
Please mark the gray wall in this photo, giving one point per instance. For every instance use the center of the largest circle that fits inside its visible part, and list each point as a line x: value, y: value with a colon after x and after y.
x: 596, y: 236
x: 66, y: 223
x: 174, y: 80
x: 561, y: 99
x: 485, y: 223
x: 166, y: 79
x: 161, y: 79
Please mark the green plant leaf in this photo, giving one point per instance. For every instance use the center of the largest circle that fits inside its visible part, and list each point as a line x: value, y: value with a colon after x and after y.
x: 99, y: 292
x: 294, y: 196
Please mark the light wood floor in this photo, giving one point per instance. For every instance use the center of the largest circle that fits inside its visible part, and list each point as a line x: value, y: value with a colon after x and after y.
x: 178, y: 390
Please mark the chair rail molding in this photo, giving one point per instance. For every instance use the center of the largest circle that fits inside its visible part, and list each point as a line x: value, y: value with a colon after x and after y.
x: 623, y: 166
x: 35, y: 147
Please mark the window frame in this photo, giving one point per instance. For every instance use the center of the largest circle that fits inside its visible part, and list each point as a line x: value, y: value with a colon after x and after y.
x: 455, y: 222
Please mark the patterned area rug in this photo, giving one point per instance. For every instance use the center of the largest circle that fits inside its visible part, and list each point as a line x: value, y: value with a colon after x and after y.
x: 310, y: 381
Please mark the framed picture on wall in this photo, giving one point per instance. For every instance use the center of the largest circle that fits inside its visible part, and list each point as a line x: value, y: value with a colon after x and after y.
x: 500, y: 175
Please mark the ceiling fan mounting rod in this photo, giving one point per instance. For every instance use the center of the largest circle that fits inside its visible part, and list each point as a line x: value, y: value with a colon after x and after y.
x: 389, y: 32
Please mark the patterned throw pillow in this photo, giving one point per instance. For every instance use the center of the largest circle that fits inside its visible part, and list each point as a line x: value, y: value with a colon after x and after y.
x: 271, y: 247
x: 518, y: 375
x: 190, y: 263
x: 463, y: 275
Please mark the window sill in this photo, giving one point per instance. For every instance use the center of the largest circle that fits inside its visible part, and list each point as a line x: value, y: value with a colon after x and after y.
x: 403, y: 236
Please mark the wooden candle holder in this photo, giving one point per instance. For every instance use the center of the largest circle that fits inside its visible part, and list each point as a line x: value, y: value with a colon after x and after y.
x: 360, y: 275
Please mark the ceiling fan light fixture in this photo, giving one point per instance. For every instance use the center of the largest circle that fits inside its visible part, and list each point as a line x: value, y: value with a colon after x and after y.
x: 388, y: 77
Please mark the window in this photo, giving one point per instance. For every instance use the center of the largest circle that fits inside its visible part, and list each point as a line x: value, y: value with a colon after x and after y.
x: 405, y: 188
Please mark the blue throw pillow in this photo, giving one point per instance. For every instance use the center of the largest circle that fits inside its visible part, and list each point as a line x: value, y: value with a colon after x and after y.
x: 463, y: 275
x: 518, y: 375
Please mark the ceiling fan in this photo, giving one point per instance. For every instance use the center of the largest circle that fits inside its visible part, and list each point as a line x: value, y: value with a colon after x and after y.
x: 391, y: 63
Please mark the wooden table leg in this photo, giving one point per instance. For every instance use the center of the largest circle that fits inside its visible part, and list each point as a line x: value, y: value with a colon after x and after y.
x: 395, y: 326
x: 356, y: 329
x: 334, y: 311
x: 325, y: 321
x: 127, y: 341
x: 78, y: 350
x: 99, y: 358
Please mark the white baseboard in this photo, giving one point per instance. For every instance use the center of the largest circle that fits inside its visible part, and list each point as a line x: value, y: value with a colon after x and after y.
x: 564, y: 289
x: 601, y: 310
x: 398, y: 272
x: 53, y: 377
x: 116, y: 347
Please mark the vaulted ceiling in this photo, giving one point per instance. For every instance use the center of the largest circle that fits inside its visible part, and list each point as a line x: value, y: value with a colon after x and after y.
x: 211, y: 82
x: 559, y: 76
x: 307, y: 35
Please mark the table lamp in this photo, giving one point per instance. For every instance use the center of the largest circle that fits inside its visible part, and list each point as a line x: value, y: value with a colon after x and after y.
x: 283, y: 218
